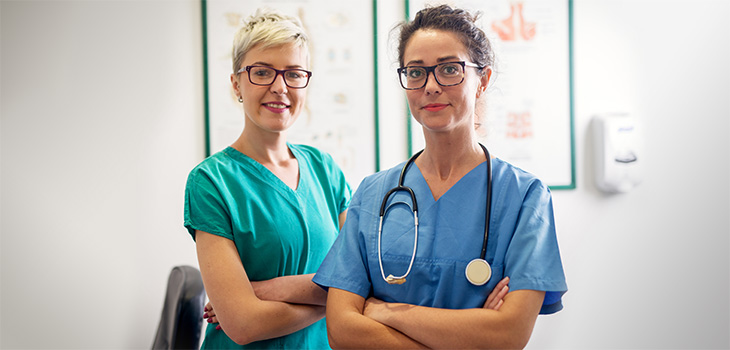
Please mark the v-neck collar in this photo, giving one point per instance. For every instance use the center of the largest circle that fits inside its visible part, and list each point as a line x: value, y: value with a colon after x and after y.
x: 264, y: 172
x: 422, y: 184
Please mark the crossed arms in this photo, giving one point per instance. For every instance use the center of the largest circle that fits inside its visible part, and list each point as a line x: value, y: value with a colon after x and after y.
x: 356, y: 322
x: 251, y: 311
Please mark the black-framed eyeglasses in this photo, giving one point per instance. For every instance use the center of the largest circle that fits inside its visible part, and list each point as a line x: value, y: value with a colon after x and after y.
x: 263, y: 76
x: 446, y: 74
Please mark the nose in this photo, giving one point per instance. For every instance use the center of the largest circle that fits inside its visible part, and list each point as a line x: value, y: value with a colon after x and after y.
x: 279, y: 85
x: 432, y: 86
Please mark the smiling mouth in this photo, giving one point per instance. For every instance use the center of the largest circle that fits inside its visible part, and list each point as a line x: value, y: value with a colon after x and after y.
x: 276, y: 105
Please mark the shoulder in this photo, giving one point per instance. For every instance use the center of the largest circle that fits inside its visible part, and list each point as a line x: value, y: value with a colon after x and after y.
x: 310, y: 152
x: 314, y: 157
x: 212, y: 169
x: 506, y: 175
x: 210, y: 164
x: 380, y: 181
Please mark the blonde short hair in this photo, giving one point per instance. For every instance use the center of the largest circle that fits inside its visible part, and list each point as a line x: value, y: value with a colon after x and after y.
x: 267, y: 28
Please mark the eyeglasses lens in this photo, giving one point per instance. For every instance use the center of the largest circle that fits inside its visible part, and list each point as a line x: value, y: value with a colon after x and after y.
x: 446, y: 74
x: 295, y: 78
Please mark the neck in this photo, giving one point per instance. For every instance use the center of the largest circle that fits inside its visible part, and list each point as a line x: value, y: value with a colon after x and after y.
x: 449, y: 155
x: 265, y: 148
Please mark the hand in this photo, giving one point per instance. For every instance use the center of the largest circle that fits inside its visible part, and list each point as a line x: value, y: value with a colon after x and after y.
x: 210, y: 315
x: 379, y: 310
x: 265, y: 290
x: 374, y: 308
x: 370, y: 307
x: 496, y: 297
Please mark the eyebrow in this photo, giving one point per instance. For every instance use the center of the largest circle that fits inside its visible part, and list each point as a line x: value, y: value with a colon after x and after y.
x: 259, y: 63
x: 439, y: 60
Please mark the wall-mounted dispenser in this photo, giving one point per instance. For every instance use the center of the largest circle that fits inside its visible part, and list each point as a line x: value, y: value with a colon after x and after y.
x: 618, y: 152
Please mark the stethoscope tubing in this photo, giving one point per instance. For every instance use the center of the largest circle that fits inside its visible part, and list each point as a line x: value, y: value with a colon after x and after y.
x: 401, y: 187
x: 414, y: 208
x: 489, y: 202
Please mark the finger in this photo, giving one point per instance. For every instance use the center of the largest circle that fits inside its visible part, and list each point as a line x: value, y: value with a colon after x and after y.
x: 502, y: 293
x: 499, y: 304
x: 502, y: 283
x: 499, y: 291
x: 490, y: 298
x: 493, y: 295
x: 497, y: 300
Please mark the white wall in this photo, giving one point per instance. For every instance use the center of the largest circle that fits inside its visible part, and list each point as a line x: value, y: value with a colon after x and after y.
x: 101, y: 121
x: 650, y: 268
x: 102, y: 118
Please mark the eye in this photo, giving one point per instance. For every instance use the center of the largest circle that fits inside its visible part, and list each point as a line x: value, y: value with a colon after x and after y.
x: 415, y: 73
x: 295, y: 74
x: 261, y: 72
x: 450, y: 69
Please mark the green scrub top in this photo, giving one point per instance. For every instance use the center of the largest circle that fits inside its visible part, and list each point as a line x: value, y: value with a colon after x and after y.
x: 278, y: 231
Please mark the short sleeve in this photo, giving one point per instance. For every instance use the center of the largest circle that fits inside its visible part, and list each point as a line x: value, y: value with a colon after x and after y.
x: 533, y: 257
x: 345, y: 266
x: 205, y: 208
x: 339, y: 184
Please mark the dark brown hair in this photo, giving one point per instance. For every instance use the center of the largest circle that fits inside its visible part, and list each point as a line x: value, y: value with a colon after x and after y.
x: 455, y: 20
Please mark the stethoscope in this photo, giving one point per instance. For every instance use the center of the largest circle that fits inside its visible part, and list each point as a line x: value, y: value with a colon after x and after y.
x: 478, y: 270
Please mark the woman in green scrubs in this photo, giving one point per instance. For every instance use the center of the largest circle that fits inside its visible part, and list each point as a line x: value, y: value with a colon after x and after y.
x: 264, y: 212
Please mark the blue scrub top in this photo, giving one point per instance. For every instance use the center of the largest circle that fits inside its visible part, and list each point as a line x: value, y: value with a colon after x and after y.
x: 522, y: 240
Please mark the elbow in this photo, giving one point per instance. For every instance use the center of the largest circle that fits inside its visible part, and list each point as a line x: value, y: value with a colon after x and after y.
x: 514, y: 340
x: 514, y: 344
x: 337, y: 335
x: 241, y: 337
x: 242, y: 328
x: 332, y: 336
x: 333, y: 343
x: 336, y: 343
x: 242, y: 332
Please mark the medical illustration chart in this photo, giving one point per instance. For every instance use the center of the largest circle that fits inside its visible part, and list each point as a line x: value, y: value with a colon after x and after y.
x: 340, y: 109
x: 527, y: 120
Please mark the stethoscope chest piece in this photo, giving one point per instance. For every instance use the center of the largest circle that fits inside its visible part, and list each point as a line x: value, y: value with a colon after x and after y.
x: 478, y: 272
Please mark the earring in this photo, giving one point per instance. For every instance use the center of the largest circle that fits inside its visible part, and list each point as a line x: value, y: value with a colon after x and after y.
x: 240, y: 99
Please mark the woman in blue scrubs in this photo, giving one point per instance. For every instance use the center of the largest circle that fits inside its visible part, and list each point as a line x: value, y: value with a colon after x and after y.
x: 264, y: 212
x: 445, y: 64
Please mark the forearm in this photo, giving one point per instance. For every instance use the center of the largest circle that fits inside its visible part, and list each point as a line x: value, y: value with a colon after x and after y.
x: 347, y: 327
x: 354, y: 331
x: 241, y: 313
x: 268, y: 319
x: 444, y: 328
x: 296, y: 289
x: 510, y: 327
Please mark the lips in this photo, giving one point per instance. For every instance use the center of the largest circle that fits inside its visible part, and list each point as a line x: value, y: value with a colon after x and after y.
x: 435, y: 107
x: 276, y: 107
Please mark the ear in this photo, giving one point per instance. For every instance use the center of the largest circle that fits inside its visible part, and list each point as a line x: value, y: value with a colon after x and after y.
x: 235, y: 85
x: 484, y: 81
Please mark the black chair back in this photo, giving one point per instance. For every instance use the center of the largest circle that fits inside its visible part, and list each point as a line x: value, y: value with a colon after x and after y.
x: 181, y: 322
